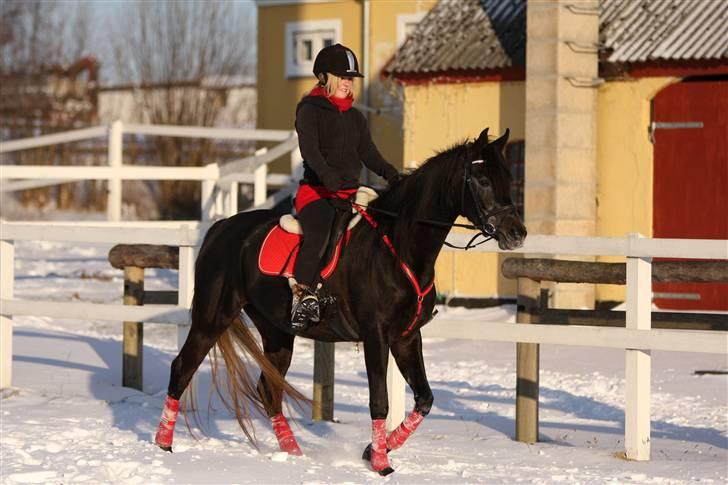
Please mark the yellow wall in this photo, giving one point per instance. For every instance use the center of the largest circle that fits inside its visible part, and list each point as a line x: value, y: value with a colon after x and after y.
x: 438, y: 116
x: 278, y: 95
x: 624, y: 163
x: 386, y: 128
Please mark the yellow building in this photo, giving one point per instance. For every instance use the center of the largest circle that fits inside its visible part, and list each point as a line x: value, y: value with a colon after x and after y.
x: 463, y: 68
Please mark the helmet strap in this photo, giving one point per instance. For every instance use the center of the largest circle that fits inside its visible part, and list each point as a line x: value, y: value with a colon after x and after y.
x: 322, y: 78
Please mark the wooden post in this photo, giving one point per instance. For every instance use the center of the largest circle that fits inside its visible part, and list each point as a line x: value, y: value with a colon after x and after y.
x: 132, y: 363
x: 323, y: 381
x: 637, y: 361
x: 527, y: 365
x: 7, y: 282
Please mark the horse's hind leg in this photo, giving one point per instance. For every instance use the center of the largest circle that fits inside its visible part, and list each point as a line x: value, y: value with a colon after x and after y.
x: 199, y: 342
x: 278, y: 349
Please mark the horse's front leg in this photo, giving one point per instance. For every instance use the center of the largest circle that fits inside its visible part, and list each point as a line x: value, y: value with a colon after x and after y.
x: 407, y: 353
x: 375, y: 356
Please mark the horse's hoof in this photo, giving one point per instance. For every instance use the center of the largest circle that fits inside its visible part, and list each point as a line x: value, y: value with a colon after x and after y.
x: 166, y: 448
x: 367, y: 455
x: 387, y: 471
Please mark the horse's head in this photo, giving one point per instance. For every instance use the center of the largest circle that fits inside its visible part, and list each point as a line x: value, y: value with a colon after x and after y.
x: 486, y: 193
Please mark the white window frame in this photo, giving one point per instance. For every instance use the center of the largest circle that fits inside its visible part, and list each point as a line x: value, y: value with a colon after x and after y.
x: 405, y: 19
x: 314, y: 29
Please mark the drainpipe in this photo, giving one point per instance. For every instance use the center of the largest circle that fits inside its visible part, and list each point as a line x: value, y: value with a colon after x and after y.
x: 365, y: 67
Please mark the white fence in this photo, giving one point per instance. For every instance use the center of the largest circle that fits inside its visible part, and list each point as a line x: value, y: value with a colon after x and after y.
x: 638, y: 339
x: 220, y: 183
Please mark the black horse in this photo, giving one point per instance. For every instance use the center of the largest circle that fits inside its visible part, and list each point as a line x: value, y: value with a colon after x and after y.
x: 382, y: 288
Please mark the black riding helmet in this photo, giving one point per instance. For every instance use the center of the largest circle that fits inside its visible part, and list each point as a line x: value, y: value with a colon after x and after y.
x: 337, y: 60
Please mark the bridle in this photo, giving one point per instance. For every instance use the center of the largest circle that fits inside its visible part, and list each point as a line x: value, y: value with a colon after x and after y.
x: 485, y: 223
x: 484, y: 226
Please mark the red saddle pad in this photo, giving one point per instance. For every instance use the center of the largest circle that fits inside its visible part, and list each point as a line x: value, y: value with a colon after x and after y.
x: 279, y: 251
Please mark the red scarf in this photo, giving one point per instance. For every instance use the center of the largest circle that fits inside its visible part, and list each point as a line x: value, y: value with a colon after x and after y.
x: 342, y: 104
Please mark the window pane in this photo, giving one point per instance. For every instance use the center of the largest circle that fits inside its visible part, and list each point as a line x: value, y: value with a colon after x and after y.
x: 328, y: 42
x: 307, y: 53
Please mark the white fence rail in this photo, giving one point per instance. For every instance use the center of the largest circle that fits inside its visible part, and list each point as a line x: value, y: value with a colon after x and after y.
x: 220, y: 183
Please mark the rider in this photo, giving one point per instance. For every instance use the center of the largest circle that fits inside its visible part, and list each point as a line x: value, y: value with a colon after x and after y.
x: 334, y: 140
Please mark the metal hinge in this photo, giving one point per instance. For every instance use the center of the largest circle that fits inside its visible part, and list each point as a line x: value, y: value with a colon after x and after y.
x: 671, y: 125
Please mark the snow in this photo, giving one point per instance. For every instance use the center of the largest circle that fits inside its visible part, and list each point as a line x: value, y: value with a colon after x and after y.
x: 68, y: 420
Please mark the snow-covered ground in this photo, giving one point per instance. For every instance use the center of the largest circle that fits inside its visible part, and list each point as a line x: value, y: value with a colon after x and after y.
x: 68, y: 420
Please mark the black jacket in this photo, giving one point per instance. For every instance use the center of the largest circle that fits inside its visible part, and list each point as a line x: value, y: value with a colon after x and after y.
x: 338, y: 142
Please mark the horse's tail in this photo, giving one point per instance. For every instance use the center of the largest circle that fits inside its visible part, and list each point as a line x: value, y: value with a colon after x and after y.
x: 217, y: 300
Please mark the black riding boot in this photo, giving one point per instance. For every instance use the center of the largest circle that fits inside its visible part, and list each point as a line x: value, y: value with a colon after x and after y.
x: 304, y: 307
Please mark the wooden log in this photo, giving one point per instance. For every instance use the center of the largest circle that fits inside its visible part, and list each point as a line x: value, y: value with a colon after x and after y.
x: 133, y: 345
x: 323, y: 381
x: 613, y: 273
x: 527, y: 364
x: 144, y: 256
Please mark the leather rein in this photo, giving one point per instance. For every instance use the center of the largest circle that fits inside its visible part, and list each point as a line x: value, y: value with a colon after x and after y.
x: 486, y: 228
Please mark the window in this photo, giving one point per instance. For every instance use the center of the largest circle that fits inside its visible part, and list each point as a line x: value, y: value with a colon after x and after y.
x: 406, y: 23
x: 515, y: 155
x: 304, y: 40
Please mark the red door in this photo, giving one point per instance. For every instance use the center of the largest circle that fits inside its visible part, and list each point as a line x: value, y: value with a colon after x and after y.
x: 691, y: 178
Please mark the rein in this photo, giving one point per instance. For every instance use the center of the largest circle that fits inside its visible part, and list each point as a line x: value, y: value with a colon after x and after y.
x: 486, y: 229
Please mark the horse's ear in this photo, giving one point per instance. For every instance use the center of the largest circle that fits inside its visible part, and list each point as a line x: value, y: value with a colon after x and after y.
x: 501, y: 142
x: 483, y: 138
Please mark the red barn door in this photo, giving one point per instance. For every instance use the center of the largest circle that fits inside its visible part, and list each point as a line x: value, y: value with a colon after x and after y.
x: 691, y: 177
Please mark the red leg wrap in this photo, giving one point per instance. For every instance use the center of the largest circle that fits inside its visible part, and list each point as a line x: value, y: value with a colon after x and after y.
x: 379, y: 445
x: 283, y: 432
x: 165, y: 432
x: 397, y: 437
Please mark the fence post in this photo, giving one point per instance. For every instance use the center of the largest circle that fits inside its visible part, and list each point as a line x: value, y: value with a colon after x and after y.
x: 396, y: 394
x: 296, y: 164
x: 260, y: 187
x: 186, y: 283
x: 207, y: 200
x: 637, y: 361
x: 7, y: 282
x: 527, y: 364
x: 115, y: 148
x: 133, y: 357
x: 323, y: 381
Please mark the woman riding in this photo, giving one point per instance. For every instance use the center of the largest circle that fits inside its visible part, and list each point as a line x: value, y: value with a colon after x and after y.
x: 334, y: 140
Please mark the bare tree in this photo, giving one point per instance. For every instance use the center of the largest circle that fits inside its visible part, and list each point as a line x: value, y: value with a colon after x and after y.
x: 181, y: 55
x: 41, y: 45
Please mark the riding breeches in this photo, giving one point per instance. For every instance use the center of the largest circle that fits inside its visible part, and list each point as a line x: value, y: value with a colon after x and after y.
x: 316, y: 220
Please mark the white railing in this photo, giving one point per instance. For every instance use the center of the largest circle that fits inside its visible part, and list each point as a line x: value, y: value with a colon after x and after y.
x: 638, y: 338
x: 220, y: 183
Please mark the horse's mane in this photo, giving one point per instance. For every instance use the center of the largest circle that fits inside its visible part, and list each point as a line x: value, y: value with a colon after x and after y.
x: 438, y: 179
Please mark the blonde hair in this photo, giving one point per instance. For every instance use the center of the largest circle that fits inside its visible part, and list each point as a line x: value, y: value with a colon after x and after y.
x: 332, y: 84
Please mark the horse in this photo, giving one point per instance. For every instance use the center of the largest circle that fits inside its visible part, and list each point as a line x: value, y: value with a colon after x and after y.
x: 382, y: 288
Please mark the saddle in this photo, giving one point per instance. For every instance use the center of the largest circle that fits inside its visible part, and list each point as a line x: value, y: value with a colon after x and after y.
x: 280, y: 247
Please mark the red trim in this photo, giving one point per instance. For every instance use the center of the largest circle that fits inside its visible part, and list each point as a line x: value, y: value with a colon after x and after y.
x: 515, y: 73
x: 407, y: 271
